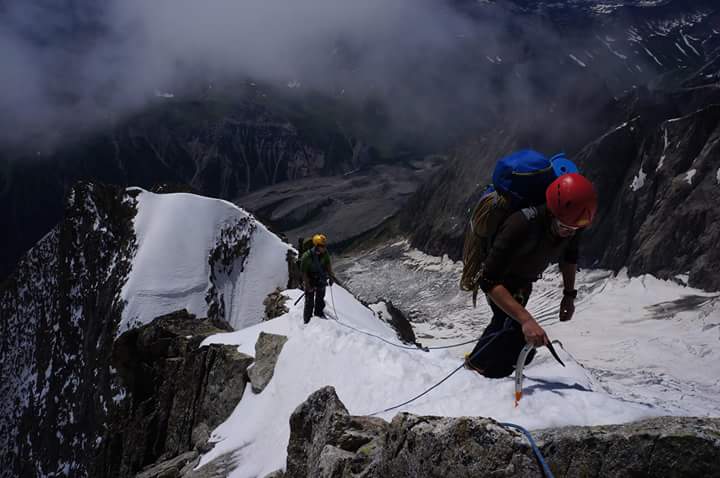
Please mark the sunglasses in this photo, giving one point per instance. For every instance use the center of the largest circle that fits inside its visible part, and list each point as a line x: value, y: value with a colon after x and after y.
x: 566, y: 227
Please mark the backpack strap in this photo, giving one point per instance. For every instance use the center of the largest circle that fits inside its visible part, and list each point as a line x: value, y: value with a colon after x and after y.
x: 530, y: 213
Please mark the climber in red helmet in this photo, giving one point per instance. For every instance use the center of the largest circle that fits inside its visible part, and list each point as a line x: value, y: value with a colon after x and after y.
x: 526, y: 243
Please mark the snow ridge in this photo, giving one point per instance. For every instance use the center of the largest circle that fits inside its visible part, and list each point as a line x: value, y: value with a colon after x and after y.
x: 205, y: 255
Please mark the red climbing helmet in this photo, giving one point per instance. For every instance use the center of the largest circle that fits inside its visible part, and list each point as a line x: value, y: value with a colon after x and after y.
x: 572, y: 199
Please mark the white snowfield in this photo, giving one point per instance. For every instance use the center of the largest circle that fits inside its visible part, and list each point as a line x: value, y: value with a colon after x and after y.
x: 175, y: 235
x: 613, y: 334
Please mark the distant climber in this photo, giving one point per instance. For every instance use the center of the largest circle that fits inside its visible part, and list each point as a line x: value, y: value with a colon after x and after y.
x: 317, y: 272
x: 525, y: 244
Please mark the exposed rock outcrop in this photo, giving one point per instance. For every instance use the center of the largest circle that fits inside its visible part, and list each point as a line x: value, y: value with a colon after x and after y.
x: 659, y: 185
x: 399, y: 321
x: 173, y: 468
x: 325, y: 441
x: 177, y: 392
x: 267, y: 351
x: 275, y: 305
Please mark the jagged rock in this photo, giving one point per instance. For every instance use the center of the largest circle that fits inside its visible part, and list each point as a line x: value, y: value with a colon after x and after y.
x: 659, y: 447
x: 178, y: 391
x: 295, y: 277
x: 200, y: 438
x: 435, y: 446
x: 275, y: 304
x: 169, y: 469
x: 267, y: 350
x: 400, y: 323
x: 667, y: 194
x: 325, y: 441
x: 226, y: 377
x: 317, y: 422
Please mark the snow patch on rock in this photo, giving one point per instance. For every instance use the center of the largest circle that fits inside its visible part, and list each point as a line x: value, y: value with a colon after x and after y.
x: 639, y: 180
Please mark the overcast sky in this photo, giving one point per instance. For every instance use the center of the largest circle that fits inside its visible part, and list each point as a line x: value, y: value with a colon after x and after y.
x: 84, y: 62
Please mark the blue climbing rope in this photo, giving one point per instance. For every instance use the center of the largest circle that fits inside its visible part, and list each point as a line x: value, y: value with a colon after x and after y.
x: 533, y: 445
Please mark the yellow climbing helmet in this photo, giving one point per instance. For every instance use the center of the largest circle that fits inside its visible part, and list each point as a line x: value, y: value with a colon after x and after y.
x: 319, y: 240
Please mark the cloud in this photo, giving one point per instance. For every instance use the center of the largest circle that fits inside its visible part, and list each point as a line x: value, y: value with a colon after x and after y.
x: 426, y: 63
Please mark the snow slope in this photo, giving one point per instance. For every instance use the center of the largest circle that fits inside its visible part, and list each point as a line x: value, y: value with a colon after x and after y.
x: 642, y: 338
x: 370, y: 375
x: 176, y: 234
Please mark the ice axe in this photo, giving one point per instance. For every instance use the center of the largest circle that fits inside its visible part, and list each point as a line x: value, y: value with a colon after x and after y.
x: 520, y: 365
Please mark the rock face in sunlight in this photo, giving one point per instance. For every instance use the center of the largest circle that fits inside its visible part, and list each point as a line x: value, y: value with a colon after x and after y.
x: 326, y: 441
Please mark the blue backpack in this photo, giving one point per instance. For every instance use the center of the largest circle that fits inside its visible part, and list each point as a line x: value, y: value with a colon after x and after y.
x: 519, y: 181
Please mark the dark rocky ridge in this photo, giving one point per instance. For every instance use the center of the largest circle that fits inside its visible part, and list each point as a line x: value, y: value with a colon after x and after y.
x: 60, y: 310
x: 177, y: 393
x: 326, y: 441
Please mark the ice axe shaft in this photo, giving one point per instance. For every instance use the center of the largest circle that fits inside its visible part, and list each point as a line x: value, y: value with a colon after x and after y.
x: 299, y: 298
x: 520, y: 365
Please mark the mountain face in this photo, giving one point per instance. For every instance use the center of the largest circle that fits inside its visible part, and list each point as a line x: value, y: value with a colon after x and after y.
x: 221, y: 148
x: 60, y: 311
x: 550, y: 62
x: 118, y: 260
x: 654, y: 162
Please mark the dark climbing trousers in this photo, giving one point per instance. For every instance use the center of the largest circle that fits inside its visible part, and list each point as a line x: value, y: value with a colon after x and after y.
x: 314, y: 303
x: 498, y: 359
